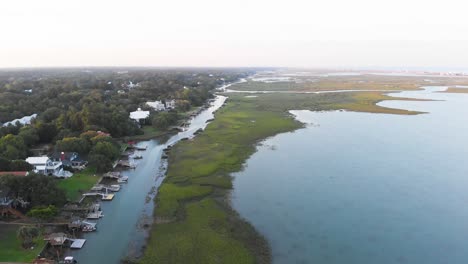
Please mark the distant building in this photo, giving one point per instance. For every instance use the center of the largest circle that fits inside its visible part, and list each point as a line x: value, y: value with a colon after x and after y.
x: 26, y: 120
x: 170, y: 104
x: 139, y: 115
x: 156, y: 105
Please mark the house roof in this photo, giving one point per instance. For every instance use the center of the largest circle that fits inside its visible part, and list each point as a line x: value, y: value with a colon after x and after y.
x: 26, y: 120
x: 37, y: 160
x: 56, y: 239
x: 139, y: 114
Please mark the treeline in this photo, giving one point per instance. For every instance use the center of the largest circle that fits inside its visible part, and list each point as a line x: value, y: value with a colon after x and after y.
x: 70, y: 102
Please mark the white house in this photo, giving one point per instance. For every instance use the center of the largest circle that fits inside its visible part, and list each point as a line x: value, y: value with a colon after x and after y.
x: 157, y: 105
x: 139, y: 115
x: 26, y: 120
x: 46, y: 166
x: 170, y: 104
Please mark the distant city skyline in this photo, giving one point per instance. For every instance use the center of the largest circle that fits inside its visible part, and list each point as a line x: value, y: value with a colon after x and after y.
x: 207, y: 33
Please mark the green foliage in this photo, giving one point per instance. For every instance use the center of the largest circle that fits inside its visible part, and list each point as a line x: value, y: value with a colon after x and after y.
x: 80, y: 182
x: 19, y: 165
x: 29, y: 135
x: 46, y: 131
x: 27, y: 234
x: 11, y: 245
x: 163, y: 120
x: 203, y: 236
x: 73, y: 144
x: 43, y: 213
x: 106, y: 149
x: 12, y: 147
x: 171, y: 194
x: 100, y: 162
x: 37, y: 189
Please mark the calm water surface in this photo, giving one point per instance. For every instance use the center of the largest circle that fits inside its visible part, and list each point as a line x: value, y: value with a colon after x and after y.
x: 364, y: 188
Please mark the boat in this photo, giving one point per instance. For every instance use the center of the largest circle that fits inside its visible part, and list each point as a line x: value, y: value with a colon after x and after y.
x: 114, y: 188
x: 88, y: 228
x: 137, y: 157
x: 68, y: 260
x: 95, y: 215
x: 97, y: 187
x: 122, y: 179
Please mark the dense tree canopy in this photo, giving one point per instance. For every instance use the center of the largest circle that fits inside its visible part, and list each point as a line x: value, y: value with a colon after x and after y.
x: 38, y: 190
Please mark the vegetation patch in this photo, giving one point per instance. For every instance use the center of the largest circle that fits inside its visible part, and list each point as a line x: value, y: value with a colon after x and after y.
x: 80, y: 182
x: 11, y: 245
x: 456, y: 90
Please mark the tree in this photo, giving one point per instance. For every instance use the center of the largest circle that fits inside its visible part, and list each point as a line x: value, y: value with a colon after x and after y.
x: 73, y: 144
x: 27, y: 234
x: 164, y: 119
x: 106, y: 149
x: 37, y: 189
x: 29, y: 135
x: 100, y: 162
x: 12, y: 147
x: 46, y: 131
x: 20, y: 165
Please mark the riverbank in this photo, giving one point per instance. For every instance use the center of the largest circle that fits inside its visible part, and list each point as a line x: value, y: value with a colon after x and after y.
x: 194, y: 220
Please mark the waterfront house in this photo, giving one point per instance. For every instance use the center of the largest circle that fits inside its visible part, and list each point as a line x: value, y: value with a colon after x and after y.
x: 156, y: 105
x: 44, y: 165
x: 69, y: 159
x: 139, y: 116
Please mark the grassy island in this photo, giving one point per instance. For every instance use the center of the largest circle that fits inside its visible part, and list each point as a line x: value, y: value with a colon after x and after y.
x: 194, y: 221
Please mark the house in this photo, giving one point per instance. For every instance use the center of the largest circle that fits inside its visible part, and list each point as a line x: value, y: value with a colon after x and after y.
x: 139, y: 115
x: 170, y: 104
x: 156, y: 105
x: 46, y: 166
x: 26, y: 120
x: 69, y: 159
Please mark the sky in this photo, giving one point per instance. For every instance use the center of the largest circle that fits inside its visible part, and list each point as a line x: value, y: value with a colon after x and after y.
x: 241, y: 33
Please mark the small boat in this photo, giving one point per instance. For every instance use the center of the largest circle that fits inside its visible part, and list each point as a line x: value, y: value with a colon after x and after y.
x: 137, y: 157
x: 88, y: 228
x: 68, y: 260
x: 97, y: 187
x: 114, y: 188
x: 122, y: 179
x: 95, y: 215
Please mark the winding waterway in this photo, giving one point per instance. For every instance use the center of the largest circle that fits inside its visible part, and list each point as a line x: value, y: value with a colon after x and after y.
x: 364, y: 188
x: 121, y: 230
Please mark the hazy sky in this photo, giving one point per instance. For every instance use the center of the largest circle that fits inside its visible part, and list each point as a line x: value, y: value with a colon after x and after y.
x: 326, y: 33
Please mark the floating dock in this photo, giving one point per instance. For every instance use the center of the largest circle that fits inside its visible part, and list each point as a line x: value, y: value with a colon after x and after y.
x: 77, y: 243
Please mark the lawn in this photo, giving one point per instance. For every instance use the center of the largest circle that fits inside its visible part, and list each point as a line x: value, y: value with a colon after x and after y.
x: 80, y: 182
x: 11, y: 249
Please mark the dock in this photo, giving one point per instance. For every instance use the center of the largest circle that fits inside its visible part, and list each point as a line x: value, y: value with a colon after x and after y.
x: 77, y: 243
